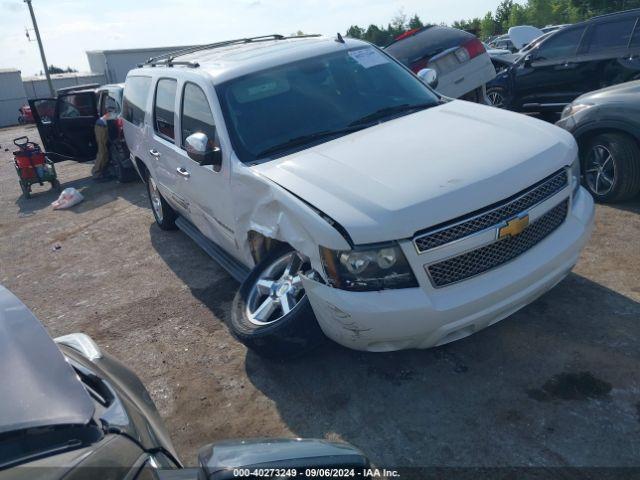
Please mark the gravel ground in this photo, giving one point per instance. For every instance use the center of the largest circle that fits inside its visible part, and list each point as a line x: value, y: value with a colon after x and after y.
x: 556, y: 384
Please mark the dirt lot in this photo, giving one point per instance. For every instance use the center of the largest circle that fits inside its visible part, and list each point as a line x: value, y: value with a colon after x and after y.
x: 556, y: 384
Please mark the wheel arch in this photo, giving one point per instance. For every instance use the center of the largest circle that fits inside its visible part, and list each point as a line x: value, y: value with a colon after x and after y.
x: 585, y: 134
x: 142, y: 168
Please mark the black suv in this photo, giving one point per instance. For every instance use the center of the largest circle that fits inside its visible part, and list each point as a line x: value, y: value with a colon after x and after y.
x: 68, y: 410
x: 577, y: 59
x: 66, y: 125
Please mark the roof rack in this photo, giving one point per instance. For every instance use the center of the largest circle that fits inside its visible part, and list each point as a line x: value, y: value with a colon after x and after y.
x: 168, y: 59
x: 613, y: 14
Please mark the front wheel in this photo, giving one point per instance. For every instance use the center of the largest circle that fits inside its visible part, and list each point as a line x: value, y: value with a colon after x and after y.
x: 271, y: 313
x: 165, y: 215
x: 611, y: 167
x: 496, y: 96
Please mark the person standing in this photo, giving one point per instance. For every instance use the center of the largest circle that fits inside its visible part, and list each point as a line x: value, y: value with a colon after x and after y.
x: 99, y: 170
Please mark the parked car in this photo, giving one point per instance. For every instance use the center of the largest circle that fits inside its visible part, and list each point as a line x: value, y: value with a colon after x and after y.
x: 574, y: 60
x: 349, y: 198
x: 25, y: 115
x: 606, y: 124
x: 459, y: 58
x: 496, y: 51
x: 516, y: 39
x: 70, y: 410
x: 66, y: 125
x: 503, y: 42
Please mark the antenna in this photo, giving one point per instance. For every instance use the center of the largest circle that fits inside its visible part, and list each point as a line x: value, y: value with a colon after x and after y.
x: 339, y: 38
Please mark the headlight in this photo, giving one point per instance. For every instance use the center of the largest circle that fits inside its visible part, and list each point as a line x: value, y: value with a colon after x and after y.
x: 368, y: 268
x: 575, y: 175
x: 574, y: 108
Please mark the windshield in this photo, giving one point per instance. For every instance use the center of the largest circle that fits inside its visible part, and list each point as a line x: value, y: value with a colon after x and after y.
x: 293, y: 106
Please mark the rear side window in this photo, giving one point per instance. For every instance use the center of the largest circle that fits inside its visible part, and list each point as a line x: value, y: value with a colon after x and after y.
x: 136, y: 92
x: 80, y: 105
x: 196, y: 114
x: 164, y: 108
x: 561, y: 45
x: 611, y: 35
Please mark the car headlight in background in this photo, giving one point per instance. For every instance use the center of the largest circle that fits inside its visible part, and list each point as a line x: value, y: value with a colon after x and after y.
x: 574, y: 108
x: 379, y: 267
x: 576, y: 175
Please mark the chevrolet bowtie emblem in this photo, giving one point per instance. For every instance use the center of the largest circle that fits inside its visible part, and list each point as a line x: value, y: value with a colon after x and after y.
x: 514, y: 227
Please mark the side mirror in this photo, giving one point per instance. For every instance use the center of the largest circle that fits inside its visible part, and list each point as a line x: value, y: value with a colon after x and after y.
x: 429, y: 76
x: 198, y: 149
x: 528, y: 60
x: 225, y: 460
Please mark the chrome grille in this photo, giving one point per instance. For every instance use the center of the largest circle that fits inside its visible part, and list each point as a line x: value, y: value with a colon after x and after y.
x: 478, y: 261
x: 522, y: 202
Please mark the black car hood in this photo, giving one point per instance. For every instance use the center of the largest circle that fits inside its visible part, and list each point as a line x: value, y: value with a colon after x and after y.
x: 38, y: 387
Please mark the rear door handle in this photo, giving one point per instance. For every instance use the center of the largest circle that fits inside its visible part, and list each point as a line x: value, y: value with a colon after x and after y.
x: 154, y: 153
x: 183, y: 172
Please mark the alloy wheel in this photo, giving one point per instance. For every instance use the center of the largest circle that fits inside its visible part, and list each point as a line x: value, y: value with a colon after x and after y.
x: 496, y: 98
x: 277, y: 290
x: 600, y: 170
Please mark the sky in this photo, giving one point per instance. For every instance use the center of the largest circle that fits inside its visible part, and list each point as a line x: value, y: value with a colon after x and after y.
x: 71, y: 27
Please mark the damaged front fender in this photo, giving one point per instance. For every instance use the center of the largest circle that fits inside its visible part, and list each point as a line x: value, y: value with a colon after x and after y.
x: 264, y: 207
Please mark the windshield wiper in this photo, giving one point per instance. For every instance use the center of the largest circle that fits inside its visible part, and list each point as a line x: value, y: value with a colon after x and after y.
x: 306, y: 139
x: 389, y: 111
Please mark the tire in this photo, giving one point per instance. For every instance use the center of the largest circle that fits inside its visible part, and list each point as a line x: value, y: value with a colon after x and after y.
x: 619, y: 178
x: 55, y: 185
x: 165, y: 215
x: 496, y: 96
x: 278, y: 335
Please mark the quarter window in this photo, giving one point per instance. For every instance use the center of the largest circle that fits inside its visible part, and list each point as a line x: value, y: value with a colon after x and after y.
x: 164, y: 108
x: 196, y: 113
x: 136, y: 92
x: 80, y: 105
x: 561, y: 45
x: 611, y: 35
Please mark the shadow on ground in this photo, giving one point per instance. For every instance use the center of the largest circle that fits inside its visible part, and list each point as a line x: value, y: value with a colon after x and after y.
x: 95, y: 195
x: 632, y: 205
x: 542, y: 388
x: 207, y: 281
x: 539, y: 388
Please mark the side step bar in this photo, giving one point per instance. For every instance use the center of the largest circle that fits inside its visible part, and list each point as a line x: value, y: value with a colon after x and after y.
x: 236, y: 269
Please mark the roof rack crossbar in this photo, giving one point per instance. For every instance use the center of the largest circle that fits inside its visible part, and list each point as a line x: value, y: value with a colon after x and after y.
x: 168, y: 59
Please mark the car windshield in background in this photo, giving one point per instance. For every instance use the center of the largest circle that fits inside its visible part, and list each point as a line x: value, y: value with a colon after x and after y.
x: 304, y: 103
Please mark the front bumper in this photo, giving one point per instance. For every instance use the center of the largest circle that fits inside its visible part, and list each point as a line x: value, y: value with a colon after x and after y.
x: 425, y: 317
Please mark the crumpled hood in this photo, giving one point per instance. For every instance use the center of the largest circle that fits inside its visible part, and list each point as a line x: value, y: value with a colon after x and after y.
x: 389, y: 181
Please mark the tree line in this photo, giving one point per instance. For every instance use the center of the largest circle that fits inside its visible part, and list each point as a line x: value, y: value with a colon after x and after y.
x: 508, y: 13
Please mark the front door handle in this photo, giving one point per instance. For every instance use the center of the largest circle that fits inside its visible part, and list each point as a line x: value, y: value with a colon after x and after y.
x: 154, y: 153
x: 183, y: 172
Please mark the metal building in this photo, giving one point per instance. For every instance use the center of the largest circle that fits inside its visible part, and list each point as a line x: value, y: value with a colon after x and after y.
x: 115, y: 64
x: 12, y: 96
x: 37, y: 87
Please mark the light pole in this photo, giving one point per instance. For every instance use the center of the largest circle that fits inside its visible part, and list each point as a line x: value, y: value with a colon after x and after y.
x: 44, y: 59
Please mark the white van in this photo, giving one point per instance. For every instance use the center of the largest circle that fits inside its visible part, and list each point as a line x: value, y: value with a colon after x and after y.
x: 350, y: 199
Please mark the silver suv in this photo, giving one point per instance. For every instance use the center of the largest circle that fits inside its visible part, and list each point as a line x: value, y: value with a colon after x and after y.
x: 350, y: 199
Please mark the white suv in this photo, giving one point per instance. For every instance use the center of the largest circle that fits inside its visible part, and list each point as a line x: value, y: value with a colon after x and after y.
x: 350, y: 199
